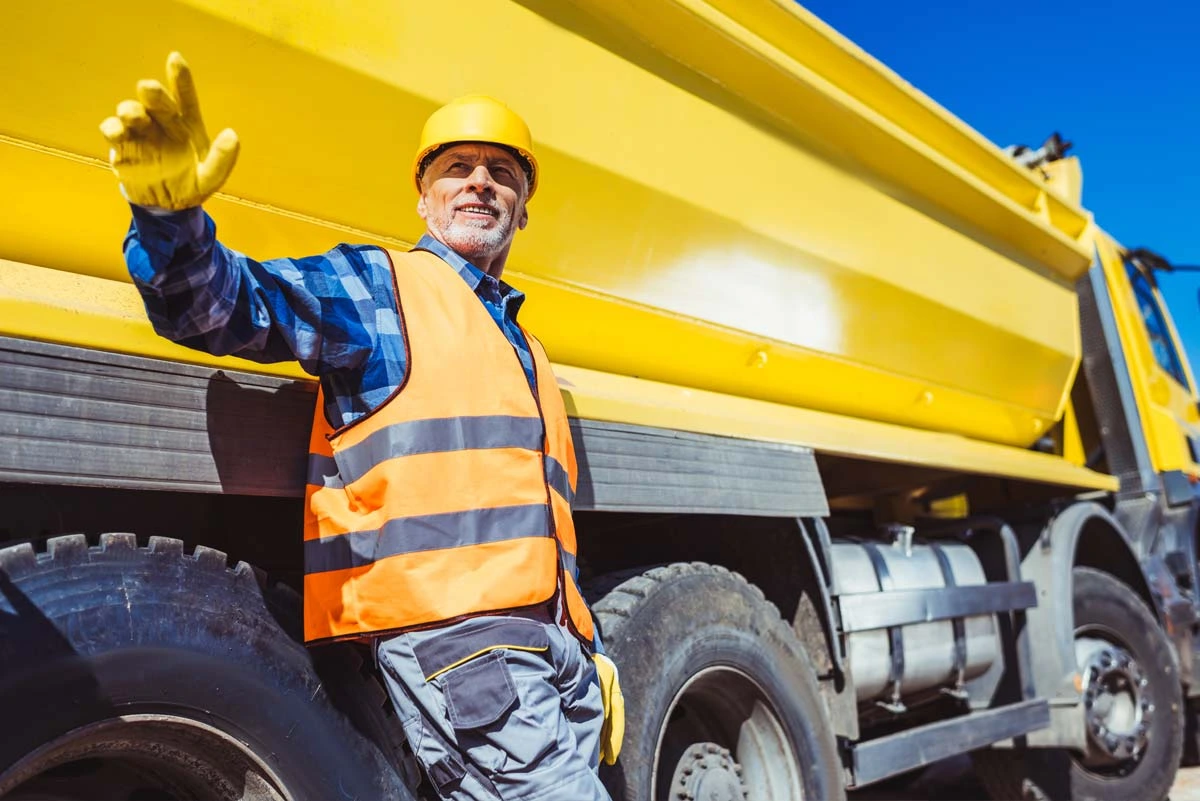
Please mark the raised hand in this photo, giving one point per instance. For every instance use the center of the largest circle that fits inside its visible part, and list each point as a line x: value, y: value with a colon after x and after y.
x: 160, y: 150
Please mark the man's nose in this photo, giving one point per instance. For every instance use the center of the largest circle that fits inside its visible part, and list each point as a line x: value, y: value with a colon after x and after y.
x: 480, y: 179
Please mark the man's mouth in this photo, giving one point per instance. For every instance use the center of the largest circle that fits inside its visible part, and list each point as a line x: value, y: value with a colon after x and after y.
x: 478, y: 210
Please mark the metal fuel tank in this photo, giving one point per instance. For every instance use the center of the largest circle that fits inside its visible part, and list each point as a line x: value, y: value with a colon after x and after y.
x: 928, y: 648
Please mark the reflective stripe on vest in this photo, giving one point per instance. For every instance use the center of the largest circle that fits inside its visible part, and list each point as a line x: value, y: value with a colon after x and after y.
x: 562, y: 475
x: 452, y: 498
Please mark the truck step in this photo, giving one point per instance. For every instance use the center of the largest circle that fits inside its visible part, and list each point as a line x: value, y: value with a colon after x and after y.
x: 881, y: 758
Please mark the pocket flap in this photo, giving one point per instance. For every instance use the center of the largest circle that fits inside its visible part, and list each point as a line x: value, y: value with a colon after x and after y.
x: 479, y: 692
x: 449, y: 650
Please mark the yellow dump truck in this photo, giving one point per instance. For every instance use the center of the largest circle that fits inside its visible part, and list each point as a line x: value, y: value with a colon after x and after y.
x: 887, y: 451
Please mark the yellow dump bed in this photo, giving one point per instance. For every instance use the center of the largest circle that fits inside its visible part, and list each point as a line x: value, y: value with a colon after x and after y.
x: 734, y: 197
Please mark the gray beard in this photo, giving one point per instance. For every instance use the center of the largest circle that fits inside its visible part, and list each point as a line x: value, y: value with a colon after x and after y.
x: 477, y: 243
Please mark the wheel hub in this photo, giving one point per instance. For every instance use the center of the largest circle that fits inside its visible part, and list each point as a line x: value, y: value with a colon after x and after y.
x: 707, y: 772
x: 722, y: 740
x: 1117, y: 708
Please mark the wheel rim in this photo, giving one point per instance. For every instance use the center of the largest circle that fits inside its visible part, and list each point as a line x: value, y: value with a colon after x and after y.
x: 142, y: 757
x: 722, y: 740
x: 1118, y: 710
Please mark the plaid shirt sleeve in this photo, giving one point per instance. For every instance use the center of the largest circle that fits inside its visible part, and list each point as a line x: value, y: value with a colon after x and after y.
x: 321, y: 311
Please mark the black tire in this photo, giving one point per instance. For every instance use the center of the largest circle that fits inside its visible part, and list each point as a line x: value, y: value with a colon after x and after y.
x: 1101, y: 602
x: 148, y: 673
x: 691, y: 640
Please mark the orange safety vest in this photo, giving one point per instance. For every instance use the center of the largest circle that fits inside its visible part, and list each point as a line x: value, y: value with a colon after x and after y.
x: 453, y: 498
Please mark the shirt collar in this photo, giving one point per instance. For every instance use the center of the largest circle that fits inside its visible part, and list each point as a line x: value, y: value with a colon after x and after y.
x: 475, y: 277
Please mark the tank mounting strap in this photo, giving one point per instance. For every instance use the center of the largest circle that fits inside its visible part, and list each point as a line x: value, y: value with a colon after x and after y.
x: 960, y: 627
x: 866, y: 611
x: 895, y: 640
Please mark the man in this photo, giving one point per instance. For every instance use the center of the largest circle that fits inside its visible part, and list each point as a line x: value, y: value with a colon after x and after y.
x: 441, y: 465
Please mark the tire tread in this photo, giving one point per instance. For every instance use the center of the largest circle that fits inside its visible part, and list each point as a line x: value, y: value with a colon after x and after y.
x: 18, y: 560
x: 67, y: 549
x: 122, y: 544
x: 252, y: 590
x: 624, y: 597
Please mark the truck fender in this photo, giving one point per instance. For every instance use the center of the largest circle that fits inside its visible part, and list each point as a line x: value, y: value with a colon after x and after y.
x: 1051, y: 624
x: 818, y: 545
x: 836, y: 685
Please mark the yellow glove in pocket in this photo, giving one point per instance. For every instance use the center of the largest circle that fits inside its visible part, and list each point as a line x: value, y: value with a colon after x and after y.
x: 159, y: 148
x: 614, y: 709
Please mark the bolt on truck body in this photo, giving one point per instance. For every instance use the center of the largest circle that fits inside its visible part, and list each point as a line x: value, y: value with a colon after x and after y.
x: 887, y: 451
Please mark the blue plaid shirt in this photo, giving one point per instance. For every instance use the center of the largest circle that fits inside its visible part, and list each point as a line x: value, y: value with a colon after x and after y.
x: 335, y: 313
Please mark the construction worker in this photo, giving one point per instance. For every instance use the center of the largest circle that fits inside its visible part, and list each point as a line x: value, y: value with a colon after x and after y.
x: 441, y: 465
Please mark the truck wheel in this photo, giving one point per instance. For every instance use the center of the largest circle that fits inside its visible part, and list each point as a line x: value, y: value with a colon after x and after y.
x: 137, y: 673
x: 721, y: 699
x: 1133, y: 707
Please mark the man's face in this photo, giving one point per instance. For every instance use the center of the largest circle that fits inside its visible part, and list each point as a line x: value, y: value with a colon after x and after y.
x: 473, y: 200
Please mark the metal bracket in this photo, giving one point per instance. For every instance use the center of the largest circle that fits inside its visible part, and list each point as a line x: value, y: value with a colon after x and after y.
x: 893, y: 704
x: 960, y: 629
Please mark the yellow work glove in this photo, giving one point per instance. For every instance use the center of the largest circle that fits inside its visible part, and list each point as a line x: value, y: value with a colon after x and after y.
x: 614, y: 709
x: 159, y: 148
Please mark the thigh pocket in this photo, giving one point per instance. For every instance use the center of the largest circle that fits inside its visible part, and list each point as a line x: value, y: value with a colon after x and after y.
x: 525, y: 736
x: 478, y: 693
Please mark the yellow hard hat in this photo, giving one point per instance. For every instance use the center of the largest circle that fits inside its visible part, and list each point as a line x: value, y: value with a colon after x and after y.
x: 477, y: 118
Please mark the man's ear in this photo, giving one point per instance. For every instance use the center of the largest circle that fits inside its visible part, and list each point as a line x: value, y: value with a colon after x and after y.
x: 422, y: 209
x: 523, y: 220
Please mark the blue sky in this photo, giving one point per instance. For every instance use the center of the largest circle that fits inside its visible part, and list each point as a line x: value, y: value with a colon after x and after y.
x: 1119, y: 79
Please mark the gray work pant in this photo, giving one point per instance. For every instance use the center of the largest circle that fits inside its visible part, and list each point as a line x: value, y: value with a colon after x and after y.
x: 487, y: 723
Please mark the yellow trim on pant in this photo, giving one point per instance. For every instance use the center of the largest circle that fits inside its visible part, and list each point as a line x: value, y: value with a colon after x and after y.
x: 483, y: 651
